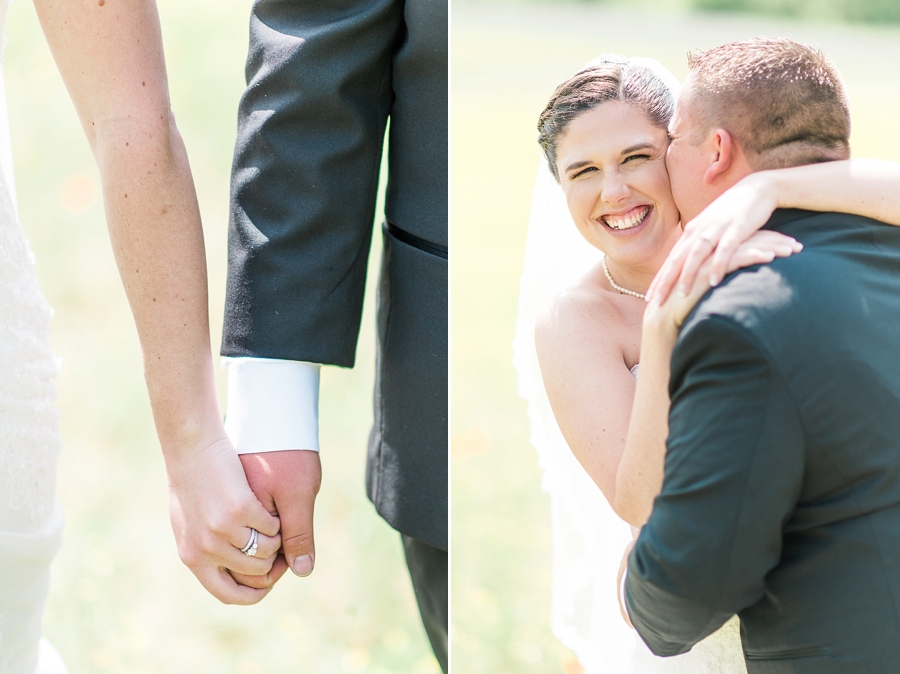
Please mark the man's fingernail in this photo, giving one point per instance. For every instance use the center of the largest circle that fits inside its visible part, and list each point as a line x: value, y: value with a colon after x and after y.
x: 714, y: 280
x: 303, y: 566
x: 682, y: 291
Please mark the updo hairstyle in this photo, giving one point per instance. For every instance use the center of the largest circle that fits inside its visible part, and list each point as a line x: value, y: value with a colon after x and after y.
x: 597, y: 84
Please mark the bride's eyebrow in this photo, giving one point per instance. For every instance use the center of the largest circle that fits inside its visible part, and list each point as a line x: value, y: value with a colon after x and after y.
x: 577, y: 165
x: 638, y: 146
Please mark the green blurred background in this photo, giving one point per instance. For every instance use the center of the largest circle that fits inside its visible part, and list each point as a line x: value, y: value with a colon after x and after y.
x: 507, y: 58
x: 121, y: 602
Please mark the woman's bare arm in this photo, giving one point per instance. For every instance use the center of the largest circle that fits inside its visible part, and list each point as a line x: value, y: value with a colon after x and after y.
x: 579, y: 341
x: 110, y: 55
x: 867, y: 187
x: 639, y: 476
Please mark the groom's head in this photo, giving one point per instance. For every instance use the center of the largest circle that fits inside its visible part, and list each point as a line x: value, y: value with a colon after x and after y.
x: 750, y: 106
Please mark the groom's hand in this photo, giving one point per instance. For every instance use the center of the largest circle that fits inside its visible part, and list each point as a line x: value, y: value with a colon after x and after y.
x: 287, y: 483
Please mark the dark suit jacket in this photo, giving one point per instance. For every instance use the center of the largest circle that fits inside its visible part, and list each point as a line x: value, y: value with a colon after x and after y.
x: 323, y: 79
x: 781, y: 496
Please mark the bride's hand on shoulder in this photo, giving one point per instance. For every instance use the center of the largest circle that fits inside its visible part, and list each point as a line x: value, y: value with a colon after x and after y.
x: 717, y: 234
x: 760, y: 248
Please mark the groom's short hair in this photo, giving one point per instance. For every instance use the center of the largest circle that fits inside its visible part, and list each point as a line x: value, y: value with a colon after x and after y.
x: 782, y: 101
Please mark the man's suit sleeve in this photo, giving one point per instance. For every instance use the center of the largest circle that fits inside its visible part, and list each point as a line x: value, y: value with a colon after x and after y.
x: 733, y: 475
x: 305, y: 176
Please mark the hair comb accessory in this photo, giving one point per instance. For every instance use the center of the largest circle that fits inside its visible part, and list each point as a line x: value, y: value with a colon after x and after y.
x: 609, y: 57
x: 662, y: 73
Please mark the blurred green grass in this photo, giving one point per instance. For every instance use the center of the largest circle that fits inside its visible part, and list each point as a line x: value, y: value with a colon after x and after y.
x: 819, y: 11
x: 506, y: 60
x: 121, y: 602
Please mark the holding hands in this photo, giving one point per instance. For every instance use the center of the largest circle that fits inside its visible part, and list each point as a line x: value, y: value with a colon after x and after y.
x: 217, y: 499
x: 212, y: 510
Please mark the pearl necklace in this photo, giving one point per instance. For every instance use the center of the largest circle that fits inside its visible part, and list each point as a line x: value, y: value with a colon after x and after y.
x: 616, y: 286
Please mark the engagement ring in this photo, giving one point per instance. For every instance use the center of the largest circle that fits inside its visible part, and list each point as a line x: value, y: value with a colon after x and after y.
x: 251, y: 547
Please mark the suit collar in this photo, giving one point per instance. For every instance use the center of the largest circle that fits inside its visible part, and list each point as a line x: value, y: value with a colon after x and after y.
x: 782, y: 216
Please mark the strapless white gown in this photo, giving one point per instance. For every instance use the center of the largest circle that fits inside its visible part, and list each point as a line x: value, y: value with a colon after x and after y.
x: 588, y: 537
x: 30, y: 518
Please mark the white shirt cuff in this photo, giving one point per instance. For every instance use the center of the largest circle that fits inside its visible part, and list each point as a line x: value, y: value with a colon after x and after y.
x: 273, y: 405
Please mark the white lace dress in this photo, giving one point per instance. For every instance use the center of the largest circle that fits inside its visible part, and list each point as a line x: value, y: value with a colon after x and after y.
x: 30, y: 518
x: 588, y: 537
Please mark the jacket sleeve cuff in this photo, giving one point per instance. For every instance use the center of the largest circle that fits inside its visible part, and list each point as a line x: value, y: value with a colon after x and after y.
x: 273, y: 405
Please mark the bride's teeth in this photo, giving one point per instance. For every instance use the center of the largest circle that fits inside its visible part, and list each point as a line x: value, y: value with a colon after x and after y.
x: 629, y: 222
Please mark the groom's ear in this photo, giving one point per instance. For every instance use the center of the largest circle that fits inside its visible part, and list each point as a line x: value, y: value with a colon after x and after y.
x: 722, y: 149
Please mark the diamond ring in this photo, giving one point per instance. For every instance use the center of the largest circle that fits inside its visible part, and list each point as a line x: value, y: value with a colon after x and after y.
x: 252, y: 545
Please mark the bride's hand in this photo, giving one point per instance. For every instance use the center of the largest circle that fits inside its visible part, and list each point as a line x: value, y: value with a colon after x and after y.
x: 760, y: 248
x: 718, y: 231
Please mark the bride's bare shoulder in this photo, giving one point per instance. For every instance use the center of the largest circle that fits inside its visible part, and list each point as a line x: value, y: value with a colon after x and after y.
x: 583, y: 315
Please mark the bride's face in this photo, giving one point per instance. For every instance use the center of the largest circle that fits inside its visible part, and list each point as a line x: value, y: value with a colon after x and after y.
x: 612, y: 167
